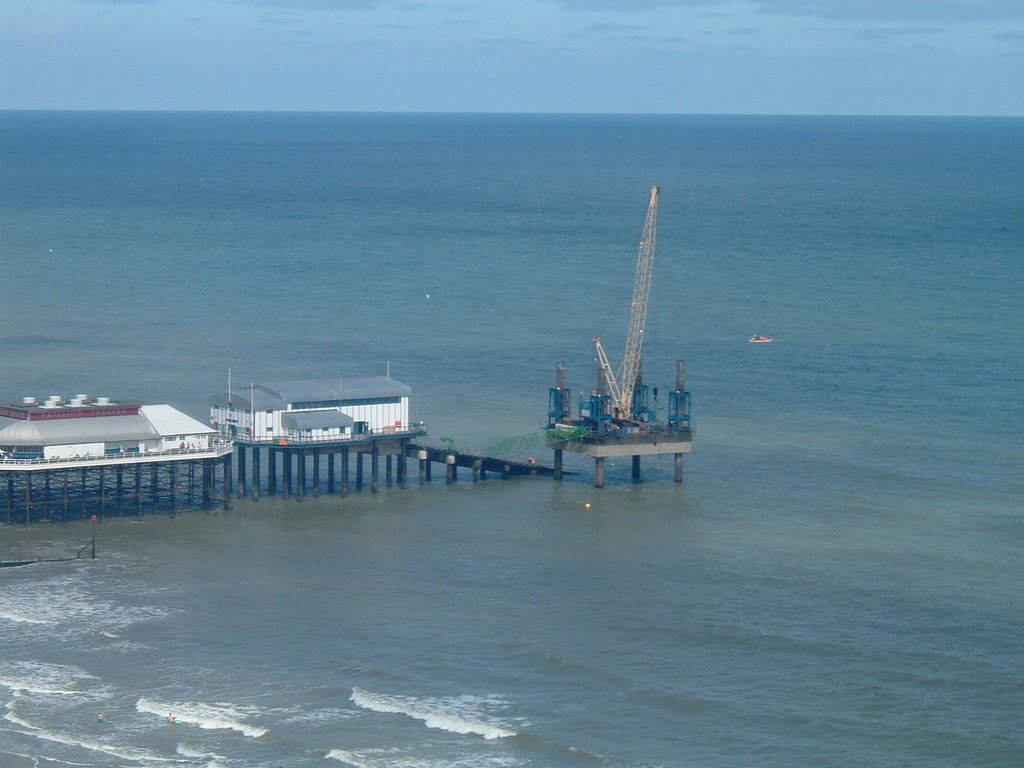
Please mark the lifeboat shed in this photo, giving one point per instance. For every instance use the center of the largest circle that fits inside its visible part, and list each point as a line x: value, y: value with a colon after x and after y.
x: 73, y: 458
x: 303, y: 427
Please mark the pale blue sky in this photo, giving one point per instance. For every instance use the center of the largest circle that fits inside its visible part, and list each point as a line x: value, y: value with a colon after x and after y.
x: 906, y: 57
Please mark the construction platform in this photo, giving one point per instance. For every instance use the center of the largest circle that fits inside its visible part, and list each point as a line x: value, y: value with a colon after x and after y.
x: 620, y: 415
x: 652, y: 442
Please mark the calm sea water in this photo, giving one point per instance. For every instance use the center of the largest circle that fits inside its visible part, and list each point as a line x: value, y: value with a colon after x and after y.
x: 837, y: 582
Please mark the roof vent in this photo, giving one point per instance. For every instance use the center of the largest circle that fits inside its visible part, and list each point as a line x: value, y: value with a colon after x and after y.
x: 102, y: 401
x: 53, y: 401
x: 78, y: 400
x: 28, y: 400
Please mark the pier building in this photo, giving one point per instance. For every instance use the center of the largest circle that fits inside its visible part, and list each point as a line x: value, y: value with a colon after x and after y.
x: 303, y: 427
x: 70, y: 458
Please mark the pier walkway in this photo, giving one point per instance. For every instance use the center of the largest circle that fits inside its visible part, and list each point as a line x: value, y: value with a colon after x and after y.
x: 294, y: 468
x: 480, y: 464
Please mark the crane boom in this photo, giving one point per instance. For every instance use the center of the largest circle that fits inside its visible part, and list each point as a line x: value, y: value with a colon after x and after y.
x: 609, y: 378
x: 632, y: 362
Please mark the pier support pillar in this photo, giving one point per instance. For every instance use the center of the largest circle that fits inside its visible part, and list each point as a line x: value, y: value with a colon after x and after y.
x: 359, y: 470
x: 272, y: 470
x: 316, y: 472
x: 558, y: 464
x: 65, y: 517
x: 241, y: 470
x: 421, y: 456
x: 477, y: 464
x: 207, y: 484
x: 300, y: 472
x: 452, y: 471
x: 286, y: 470
x: 172, y: 488
x: 120, y: 488
x: 28, y: 497
x: 401, y: 465
x: 227, y: 483
x: 636, y: 469
x: 344, y: 471
x: 678, y: 477
x: 154, y: 485
x: 599, y: 472
x: 255, y: 473
x: 387, y: 469
x: 138, y: 488
x: 330, y: 473
x: 103, y: 491
x: 374, y: 467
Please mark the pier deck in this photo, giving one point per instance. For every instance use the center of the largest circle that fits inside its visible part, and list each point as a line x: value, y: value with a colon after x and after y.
x: 479, y: 463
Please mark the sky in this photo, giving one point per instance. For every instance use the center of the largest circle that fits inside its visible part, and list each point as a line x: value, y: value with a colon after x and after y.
x: 875, y: 57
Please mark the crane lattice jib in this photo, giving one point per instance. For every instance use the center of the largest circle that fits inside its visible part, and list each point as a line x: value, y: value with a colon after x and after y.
x: 609, y: 377
x: 633, y: 359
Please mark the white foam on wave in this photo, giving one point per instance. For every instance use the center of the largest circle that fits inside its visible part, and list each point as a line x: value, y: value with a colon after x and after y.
x: 294, y: 715
x: 14, y: 616
x: 118, y: 751
x: 460, y: 715
x: 212, y: 760
x: 348, y: 758
x: 396, y: 758
x: 64, y: 602
x: 36, y: 677
x: 207, y: 716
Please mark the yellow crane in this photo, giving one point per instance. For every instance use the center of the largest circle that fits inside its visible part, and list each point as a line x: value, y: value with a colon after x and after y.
x: 621, y: 387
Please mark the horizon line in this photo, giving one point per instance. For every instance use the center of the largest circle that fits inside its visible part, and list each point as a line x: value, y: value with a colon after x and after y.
x: 496, y: 113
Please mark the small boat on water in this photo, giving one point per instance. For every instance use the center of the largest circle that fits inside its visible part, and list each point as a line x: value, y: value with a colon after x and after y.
x: 758, y: 339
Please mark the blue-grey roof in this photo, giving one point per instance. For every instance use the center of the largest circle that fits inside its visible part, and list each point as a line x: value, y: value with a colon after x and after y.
x: 277, y: 395
x: 315, y: 419
x: 95, y: 429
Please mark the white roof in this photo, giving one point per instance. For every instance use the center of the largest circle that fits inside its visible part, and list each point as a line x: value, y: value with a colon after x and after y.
x: 150, y: 422
x: 170, y: 421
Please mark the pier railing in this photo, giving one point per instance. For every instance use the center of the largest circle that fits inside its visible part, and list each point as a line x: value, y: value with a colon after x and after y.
x: 412, y: 430
x: 217, y: 447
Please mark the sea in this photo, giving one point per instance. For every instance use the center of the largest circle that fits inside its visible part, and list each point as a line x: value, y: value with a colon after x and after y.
x: 838, y: 580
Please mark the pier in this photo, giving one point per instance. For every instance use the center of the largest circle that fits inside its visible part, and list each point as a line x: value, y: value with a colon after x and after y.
x: 302, y: 468
x: 74, y: 458
x: 336, y: 435
x: 39, y: 489
x: 36, y: 490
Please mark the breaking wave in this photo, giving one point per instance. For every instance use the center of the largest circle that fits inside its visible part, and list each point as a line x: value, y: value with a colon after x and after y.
x: 207, y: 716
x: 457, y: 715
